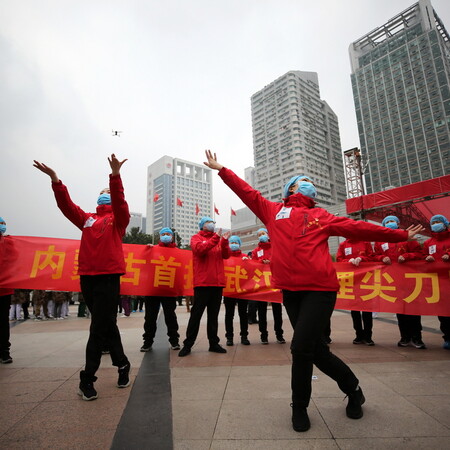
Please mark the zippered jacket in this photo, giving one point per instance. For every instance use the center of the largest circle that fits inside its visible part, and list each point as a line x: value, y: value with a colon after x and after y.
x: 410, y: 250
x: 262, y: 251
x: 101, y: 250
x: 354, y: 249
x: 437, y: 246
x: 299, y: 235
x: 208, y: 252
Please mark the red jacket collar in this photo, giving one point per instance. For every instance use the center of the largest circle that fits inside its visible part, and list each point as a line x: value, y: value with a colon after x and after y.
x: 299, y: 200
x: 102, y: 210
x: 170, y: 244
x: 442, y: 235
x: 206, y: 233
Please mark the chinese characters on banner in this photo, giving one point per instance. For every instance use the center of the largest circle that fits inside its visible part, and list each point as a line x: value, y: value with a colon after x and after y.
x: 415, y: 287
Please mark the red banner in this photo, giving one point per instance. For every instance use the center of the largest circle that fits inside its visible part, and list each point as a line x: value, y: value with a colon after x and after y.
x: 415, y: 287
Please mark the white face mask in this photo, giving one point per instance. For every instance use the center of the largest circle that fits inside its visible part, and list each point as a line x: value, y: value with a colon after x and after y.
x: 209, y: 226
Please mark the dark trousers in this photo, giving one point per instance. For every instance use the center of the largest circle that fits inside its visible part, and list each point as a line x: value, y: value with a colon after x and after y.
x: 152, y: 305
x: 277, y: 311
x: 362, y: 324
x: 445, y: 327
x: 410, y: 326
x: 309, y: 313
x: 230, y: 304
x: 101, y: 294
x: 5, y: 345
x: 208, y: 297
x: 252, y: 309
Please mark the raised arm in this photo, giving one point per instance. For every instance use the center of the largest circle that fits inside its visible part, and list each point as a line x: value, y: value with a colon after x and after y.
x: 118, y: 202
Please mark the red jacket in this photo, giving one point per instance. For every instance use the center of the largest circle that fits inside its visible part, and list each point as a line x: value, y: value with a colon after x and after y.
x: 102, y: 232
x: 410, y: 250
x: 3, y: 255
x: 262, y: 251
x: 208, y: 252
x: 438, y: 245
x: 299, y: 234
x: 354, y: 249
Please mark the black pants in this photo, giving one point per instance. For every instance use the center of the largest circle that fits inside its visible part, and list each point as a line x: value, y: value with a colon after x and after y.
x: 362, y: 324
x: 410, y: 326
x: 251, y: 311
x: 309, y: 313
x: 208, y: 297
x: 277, y: 311
x: 445, y: 327
x: 230, y: 304
x: 101, y: 294
x: 5, y: 345
x: 152, y: 305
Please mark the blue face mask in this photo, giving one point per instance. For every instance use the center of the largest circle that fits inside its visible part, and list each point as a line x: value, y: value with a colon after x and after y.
x: 392, y: 225
x: 165, y: 239
x: 308, y: 189
x: 210, y: 226
x: 437, y: 227
x: 263, y: 238
x: 234, y: 246
x: 2, y: 229
x: 104, y: 199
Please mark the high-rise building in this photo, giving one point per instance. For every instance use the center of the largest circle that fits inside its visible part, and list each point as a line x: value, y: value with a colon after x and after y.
x: 136, y: 221
x: 179, y: 193
x: 400, y: 80
x: 295, y: 132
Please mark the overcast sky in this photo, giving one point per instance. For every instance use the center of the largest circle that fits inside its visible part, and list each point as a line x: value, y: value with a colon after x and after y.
x: 176, y: 76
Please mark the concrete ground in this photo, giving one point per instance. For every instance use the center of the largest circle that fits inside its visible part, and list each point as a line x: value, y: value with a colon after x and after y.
x: 239, y: 400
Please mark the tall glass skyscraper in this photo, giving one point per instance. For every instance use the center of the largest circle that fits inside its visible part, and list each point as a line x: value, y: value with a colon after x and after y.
x: 294, y: 133
x: 400, y: 80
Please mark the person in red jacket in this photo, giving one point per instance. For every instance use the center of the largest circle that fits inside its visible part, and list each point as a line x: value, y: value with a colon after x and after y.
x: 230, y: 302
x: 5, y: 303
x: 209, y: 249
x: 438, y: 248
x: 263, y: 253
x: 354, y: 252
x: 302, y: 268
x: 410, y: 326
x: 168, y: 304
x: 100, y: 264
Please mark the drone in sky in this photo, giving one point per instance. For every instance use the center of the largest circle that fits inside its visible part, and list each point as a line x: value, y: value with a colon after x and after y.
x: 116, y: 133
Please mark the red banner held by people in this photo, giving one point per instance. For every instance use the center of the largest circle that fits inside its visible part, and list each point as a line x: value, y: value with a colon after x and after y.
x: 415, y: 287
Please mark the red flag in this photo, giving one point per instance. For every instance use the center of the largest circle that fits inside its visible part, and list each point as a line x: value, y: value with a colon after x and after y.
x: 233, y: 212
x: 197, y: 209
x: 156, y: 197
x: 216, y: 210
x: 179, y: 202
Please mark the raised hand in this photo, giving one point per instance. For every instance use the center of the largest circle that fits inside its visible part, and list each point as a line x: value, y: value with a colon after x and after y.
x: 413, y: 230
x: 227, y: 235
x: 212, y: 161
x: 47, y: 170
x: 115, y: 164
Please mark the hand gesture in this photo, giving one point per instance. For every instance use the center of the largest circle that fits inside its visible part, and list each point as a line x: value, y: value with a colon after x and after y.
x: 445, y: 257
x: 413, y: 230
x: 47, y: 170
x: 266, y: 261
x: 115, y: 164
x: 212, y: 161
x: 227, y: 235
x: 386, y: 260
x: 401, y: 259
x: 355, y: 261
x: 429, y: 258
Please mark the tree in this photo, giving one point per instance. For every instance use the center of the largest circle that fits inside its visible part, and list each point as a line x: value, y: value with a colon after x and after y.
x: 138, y: 237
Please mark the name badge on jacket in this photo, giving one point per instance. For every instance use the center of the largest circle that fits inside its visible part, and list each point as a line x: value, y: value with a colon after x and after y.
x: 348, y: 251
x: 283, y: 213
x: 385, y: 246
x: 432, y: 250
x: 89, y: 222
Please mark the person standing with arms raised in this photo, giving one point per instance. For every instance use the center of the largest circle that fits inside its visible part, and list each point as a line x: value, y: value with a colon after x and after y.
x: 101, y: 263
x: 302, y: 268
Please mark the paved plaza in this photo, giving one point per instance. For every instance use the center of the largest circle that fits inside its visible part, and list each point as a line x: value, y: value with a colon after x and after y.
x: 239, y: 400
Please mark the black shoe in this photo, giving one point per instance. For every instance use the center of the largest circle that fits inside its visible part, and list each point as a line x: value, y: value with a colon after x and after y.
x: 175, y: 346
x: 86, y: 387
x: 184, y: 351
x: 418, y: 343
x: 358, y: 340
x: 124, y: 376
x: 6, y: 359
x: 328, y: 340
x: 355, y: 400
x: 281, y: 340
x: 217, y: 349
x: 230, y: 342
x: 245, y: 341
x: 403, y: 342
x: 300, y: 419
x: 264, y: 341
x: 369, y: 342
x: 146, y: 347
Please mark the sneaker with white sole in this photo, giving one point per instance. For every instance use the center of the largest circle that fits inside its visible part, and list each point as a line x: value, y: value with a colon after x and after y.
x: 124, y: 376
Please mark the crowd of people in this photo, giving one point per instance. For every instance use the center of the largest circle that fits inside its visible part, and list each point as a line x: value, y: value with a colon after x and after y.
x: 294, y: 242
